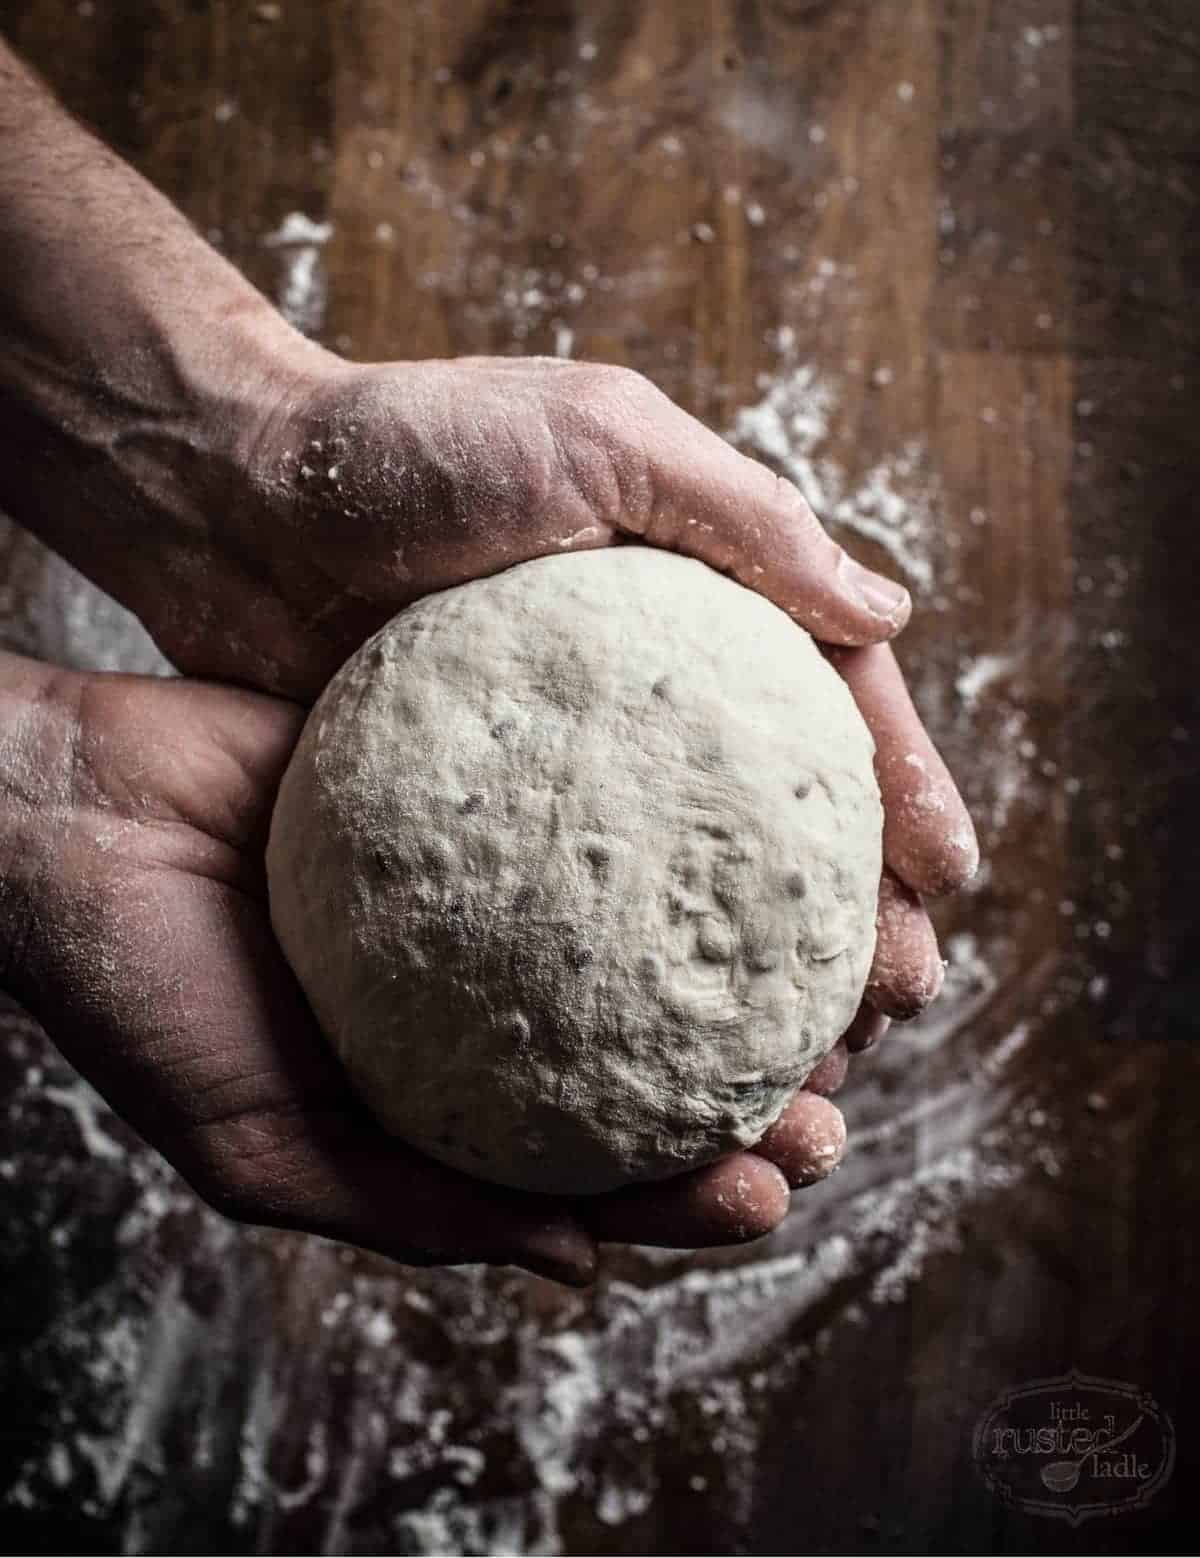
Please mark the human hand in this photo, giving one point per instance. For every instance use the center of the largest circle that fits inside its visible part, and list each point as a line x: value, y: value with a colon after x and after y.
x: 263, y: 506
x: 368, y: 487
x: 401, y: 479
x: 133, y: 817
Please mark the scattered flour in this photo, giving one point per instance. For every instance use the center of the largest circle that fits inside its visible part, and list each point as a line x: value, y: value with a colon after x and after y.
x: 87, y: 1109
x: 303, y: 291
x: 891, y: 505
x: 980, y: 674
x: 50, y: 611
x: 572, y: 1414
x: 300, y: 1383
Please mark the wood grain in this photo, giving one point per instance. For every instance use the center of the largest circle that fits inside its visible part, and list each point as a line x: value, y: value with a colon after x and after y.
x: 937, y: 258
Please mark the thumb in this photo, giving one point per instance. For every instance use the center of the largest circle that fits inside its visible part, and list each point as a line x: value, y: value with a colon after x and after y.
x: 403, y: 1204
x: 711, y: 502
x: 345, y: 1179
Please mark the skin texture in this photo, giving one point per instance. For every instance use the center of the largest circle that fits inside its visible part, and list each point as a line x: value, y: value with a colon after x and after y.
x: 134, y: 814
x: 263, y: 506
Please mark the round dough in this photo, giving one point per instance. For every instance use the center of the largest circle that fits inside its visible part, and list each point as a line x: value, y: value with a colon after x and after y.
x: 578, y: 868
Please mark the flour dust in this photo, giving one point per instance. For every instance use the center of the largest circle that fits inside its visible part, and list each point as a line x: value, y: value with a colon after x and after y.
x: 295, y: 1380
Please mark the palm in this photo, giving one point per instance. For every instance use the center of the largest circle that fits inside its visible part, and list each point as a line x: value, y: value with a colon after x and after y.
x: 178, y: 1005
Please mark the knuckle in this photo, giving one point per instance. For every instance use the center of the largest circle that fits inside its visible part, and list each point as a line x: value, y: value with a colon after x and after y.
x: 625, y: 391
x: 815, y: 538
x: 787, y: 495
x: 610, y: 446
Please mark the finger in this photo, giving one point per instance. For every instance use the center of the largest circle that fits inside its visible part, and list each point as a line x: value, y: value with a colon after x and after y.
x: 928, y: 838
x: 736, y: 1199
x: 711, y: 502
x: 826, y: 1077
x: 907, y: 970
x: 808, y: 1140
x: 868, y: 1027
x: 389, y: 1198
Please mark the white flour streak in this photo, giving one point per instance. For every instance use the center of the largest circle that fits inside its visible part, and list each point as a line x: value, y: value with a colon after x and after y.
x: 1008, y: 773
x: 901, y: 522
x: 85, y: 1106
x: 979, y: 674
x: 787, y: 426
x: 298, y: 228
x: 302, y: 290
x: 890, y: 506
x: 168, y: 1340
x: 1009, y: 1046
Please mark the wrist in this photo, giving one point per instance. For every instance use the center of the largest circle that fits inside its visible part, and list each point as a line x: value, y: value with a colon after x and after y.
x: 248, y: 402
x: 134, y: 462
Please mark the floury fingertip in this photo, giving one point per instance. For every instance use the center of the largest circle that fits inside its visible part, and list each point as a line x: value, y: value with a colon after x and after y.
x: 883, y: 598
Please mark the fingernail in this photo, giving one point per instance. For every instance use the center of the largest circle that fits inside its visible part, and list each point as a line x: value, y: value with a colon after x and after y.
x: 882, y: 597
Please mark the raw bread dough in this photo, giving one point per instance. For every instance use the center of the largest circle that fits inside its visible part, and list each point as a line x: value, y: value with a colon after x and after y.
x: 578, y: 868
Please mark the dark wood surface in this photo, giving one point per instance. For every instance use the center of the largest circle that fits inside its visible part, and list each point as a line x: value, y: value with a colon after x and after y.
x: 933, y: 258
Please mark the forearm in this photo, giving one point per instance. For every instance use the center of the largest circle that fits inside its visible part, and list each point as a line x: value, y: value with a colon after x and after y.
x: 134, y: 360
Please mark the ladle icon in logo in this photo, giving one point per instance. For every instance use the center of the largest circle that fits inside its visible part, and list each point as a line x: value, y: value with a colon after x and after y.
x: 1075, y: 1446
x: 1063, y: 1476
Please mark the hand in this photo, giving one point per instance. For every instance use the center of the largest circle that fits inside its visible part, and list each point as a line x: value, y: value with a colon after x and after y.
x: 367, y: 487
x: 356, y: 490
x: 401, y: 479
x: 263, y: 506
x: 133, y: 816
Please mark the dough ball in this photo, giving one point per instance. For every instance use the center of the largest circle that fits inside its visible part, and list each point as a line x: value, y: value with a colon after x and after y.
x: 578, y: 868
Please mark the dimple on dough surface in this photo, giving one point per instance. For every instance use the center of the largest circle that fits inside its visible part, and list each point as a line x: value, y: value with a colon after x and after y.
x: 578, y: 865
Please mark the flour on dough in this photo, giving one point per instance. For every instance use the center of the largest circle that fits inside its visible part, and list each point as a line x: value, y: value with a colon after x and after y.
x: 578, y: 868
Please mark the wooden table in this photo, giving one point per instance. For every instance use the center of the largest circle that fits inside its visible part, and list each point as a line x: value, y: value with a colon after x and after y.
x: 931, y: 258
